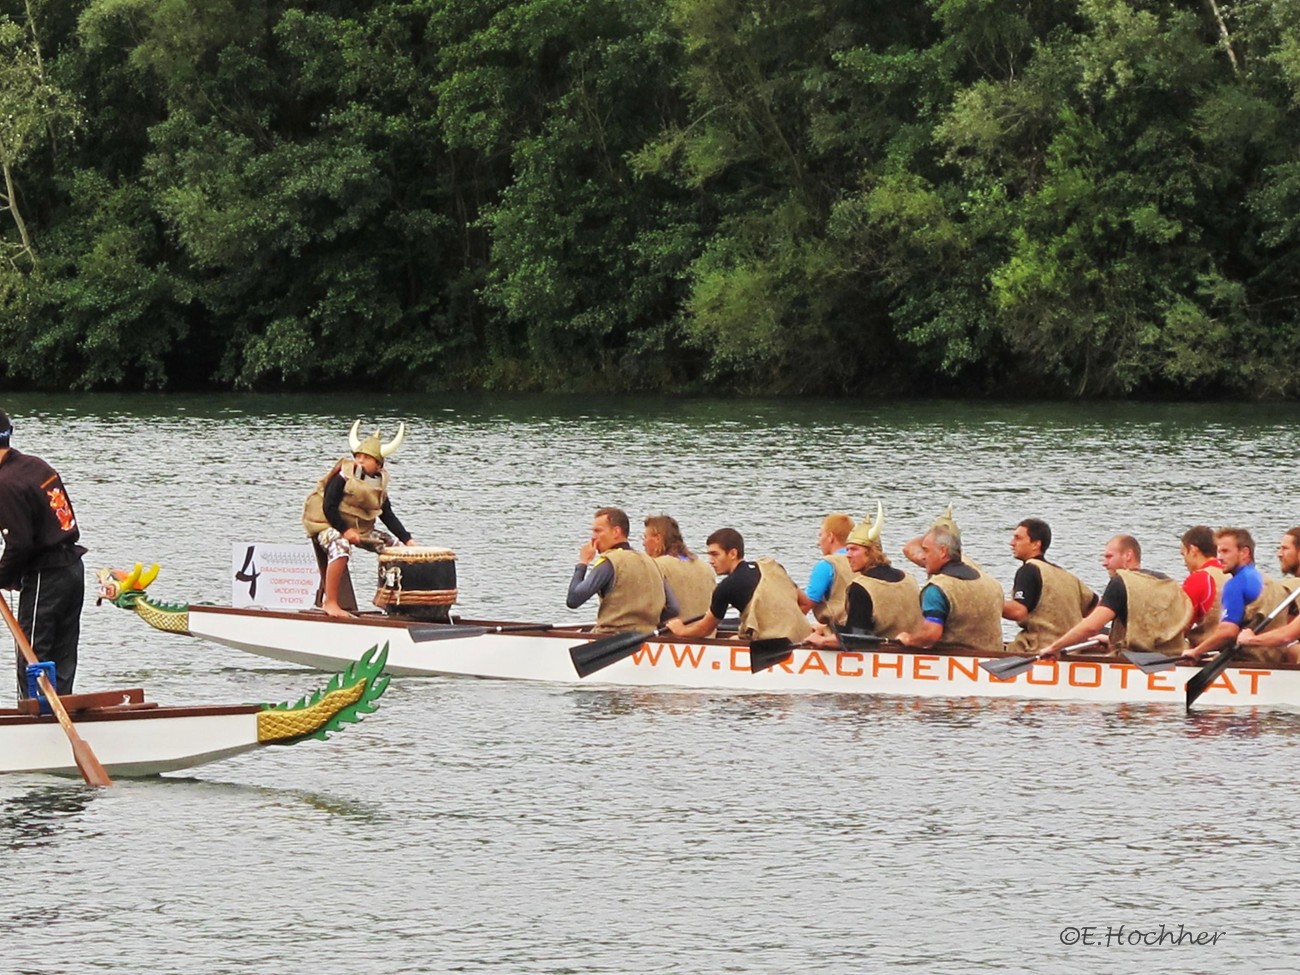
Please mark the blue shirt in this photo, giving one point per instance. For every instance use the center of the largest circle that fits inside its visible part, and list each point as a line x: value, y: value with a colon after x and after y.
x: 1239, y: 592
x: 822, y: 579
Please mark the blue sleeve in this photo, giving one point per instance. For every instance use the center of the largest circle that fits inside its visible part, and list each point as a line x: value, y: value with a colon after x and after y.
x: 1236, y: 596
x: 934, y: 604
x: 820, y: 581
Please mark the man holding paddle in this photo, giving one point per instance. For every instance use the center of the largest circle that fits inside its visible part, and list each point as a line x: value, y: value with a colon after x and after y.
x: 882, y: 601
x: 762, y: 591
x: 1046, y: 600
x: 633, y: 594
x: 1147, y: 610
x: 42, y: 559
x: 1247, y: 596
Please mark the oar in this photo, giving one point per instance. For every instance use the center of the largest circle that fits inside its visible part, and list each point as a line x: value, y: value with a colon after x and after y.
x: 1006, y: 668
x: 768, y: 653
x: 599, y: 654
x: 1202, y: 679
x: 860, y: 641
x: 91, y: 770
x: 454, y: 631
x: 1149, y: 662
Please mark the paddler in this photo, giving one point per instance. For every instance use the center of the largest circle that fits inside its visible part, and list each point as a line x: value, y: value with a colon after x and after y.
x: 690, y: 577
x: 42, y: 560
x: 763, y: 593
x: 881, y: 600
x: 1046, y: 600
x: 341, y: 512
x: 1205, y: 581
x: 1147, y: 610
x: 1248, y: 597
x: 828, y: 582
x: 634, y: 595
x: 961, y: 606
x: 1288, y: 558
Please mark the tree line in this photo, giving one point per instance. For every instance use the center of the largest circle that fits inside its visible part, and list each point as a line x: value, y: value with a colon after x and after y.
x: 866, y: 197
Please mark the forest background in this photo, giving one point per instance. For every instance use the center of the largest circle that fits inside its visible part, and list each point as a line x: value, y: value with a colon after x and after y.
x: 1029, y: 197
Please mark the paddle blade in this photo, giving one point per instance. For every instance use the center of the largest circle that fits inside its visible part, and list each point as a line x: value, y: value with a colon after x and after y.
x: 599, y: 654
x: 91, y: 770
x: 443, y: 631
x: 768, y: 653
x: 1005, y: 668
x: 1204, y: 677
x: 1150, y: 663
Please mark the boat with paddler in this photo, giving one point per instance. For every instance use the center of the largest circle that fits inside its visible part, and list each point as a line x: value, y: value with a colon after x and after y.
x: 512, y: 650
x: 133, y: 737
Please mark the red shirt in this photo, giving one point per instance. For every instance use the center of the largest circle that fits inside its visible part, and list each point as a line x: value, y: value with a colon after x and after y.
x: 1201, y: 590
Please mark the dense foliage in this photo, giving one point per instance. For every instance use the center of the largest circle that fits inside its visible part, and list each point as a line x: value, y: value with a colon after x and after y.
x: 1060, y: 197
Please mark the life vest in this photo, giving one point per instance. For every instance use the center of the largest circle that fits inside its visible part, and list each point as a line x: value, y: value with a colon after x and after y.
x: 1062, y: 602
x: 363, y: 499
x: 1158, y: 613
x: 693, y: 582
x: 974, y: 611
x: 1210, y: 621
x: 635, y: 601
x: 773, y: 611
x: 895, y: 606
x: 834, y: 608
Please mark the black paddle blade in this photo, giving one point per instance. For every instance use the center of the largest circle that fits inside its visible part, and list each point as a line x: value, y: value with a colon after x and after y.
x: 1204, y: 677
x: 443, y: 631
x: 1005, y: 668
x: 1150, y: 663
x: 599, y: 654
x: 768, y: 653
x: 859, y: 641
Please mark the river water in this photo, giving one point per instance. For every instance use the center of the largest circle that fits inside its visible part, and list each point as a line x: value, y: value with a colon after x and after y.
x: 475, y: 826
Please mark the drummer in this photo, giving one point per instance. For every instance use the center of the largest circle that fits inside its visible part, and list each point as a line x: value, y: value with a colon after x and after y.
x: 341, y: 512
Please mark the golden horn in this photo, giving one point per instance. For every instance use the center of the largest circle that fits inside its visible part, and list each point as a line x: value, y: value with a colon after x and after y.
x: 134, y: 574
x: 353, y: 442
x: 396, y: 442
x: 873, y: 534
x: 148, y: 576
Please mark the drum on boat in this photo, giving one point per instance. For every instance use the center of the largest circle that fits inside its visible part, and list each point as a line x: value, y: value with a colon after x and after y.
x: 417, y: 582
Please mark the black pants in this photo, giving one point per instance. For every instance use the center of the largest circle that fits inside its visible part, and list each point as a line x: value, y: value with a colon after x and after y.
x: 49, y: 611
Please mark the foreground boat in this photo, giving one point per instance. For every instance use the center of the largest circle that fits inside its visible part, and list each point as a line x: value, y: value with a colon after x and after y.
x: 521, y: 651
x: 132, y: 737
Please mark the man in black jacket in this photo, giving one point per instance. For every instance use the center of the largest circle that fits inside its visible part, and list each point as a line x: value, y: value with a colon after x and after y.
x: 41, y: 559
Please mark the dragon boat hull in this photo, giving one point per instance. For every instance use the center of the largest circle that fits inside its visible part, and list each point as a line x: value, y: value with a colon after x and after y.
x: 132, y: 738
x: 315, y: 640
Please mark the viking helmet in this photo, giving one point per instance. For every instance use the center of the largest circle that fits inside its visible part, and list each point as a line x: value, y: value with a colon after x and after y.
x: 946, y: 520
x: 372, y: 445
x: 864, y: 535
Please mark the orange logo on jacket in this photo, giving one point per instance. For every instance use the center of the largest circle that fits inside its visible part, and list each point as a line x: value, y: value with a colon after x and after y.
x: 62, y: 509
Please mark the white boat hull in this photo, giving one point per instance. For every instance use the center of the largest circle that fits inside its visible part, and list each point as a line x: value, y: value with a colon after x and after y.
x: 129, y: 746
x: 314, y: 640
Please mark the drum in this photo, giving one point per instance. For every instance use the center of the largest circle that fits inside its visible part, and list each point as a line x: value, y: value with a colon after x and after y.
x: 417, y: 583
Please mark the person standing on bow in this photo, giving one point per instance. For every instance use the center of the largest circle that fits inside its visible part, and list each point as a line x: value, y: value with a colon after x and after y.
x: 762, y: 591
x: 634, y: 595
x: 342, y: 511
x: 1205, y: 581
x: 1147, y: 610
x: 41, y: 559
x: 1046, y: 600
x: 690, y: 578
x: 882, y: 600
x: 1248, y: 597
x: 961, y: 606
x: 828, y: 583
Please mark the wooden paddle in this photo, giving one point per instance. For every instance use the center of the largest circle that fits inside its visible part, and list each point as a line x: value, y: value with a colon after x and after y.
x: 454, y: 631
x: 1006, y: 668
x: 768, y: 653
x: 1202, y: 679
x: 599, y: 654
x: 91, y: 770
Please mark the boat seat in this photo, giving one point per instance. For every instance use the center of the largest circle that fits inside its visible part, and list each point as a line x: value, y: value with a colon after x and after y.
x: 85, y: 702
x: 347, y: 598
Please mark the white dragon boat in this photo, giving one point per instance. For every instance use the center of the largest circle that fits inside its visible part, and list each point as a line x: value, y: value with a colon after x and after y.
x: 132, y: 737
x: 540, y: 652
